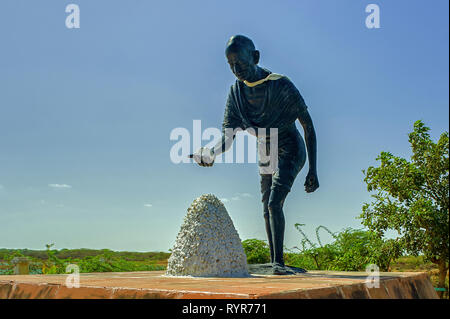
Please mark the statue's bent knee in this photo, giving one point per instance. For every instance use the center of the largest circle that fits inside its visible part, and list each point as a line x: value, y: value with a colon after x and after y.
x: 276, y: 200
x: 275, y: 208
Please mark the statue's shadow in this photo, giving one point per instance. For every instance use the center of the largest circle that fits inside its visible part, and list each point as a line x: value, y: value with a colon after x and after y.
x: 267, y: 269
x: 256, y: 270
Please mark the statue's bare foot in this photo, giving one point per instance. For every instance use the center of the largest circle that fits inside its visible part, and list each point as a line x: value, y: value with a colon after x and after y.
x: 279, y: 269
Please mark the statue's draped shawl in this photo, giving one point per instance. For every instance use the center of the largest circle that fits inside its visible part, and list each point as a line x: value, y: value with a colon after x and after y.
x: 282, y: 105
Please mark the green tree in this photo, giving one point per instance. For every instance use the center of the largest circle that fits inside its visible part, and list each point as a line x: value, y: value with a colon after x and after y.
x: 412, y: 197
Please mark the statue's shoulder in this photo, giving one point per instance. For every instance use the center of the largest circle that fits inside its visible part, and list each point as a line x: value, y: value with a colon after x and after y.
x: 285, y: 87
x: 285, y: 80
x: 280, y: 79
x: 284, y: 83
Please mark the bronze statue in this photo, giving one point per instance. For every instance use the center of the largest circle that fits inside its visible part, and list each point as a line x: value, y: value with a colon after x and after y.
x: 262, y: 99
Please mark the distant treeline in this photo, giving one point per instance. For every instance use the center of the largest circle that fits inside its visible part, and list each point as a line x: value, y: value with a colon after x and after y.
x: 83, y: 253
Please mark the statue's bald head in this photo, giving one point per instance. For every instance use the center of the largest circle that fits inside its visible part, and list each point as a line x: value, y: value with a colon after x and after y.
x: 238, y: 43
x: 242, y: 57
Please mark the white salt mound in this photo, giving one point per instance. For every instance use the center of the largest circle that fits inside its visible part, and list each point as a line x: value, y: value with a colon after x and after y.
x: 207, y: 245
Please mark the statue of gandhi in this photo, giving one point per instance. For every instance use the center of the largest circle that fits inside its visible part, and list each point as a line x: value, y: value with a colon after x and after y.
x: 262, y: 99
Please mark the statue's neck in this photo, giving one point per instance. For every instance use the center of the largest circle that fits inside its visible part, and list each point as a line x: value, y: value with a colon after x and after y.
x: 259, y: 74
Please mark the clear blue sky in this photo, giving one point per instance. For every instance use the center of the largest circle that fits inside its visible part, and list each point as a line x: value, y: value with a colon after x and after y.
x: 85, y: 114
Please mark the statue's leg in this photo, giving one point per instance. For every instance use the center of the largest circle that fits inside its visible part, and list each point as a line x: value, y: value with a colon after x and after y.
x: 277, y: 222
x: 266, y: 183
x: 292, y: 158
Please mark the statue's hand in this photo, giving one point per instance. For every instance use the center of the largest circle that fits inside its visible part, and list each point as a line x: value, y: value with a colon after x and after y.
x: 204, y: 157
x: 312, y: 182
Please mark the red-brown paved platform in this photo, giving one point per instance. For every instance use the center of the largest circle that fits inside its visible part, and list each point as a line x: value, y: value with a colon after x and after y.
x: 153, y: 284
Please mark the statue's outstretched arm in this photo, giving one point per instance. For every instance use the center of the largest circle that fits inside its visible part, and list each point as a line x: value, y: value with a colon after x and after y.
x: 205, y: 156
x: 225, y: 142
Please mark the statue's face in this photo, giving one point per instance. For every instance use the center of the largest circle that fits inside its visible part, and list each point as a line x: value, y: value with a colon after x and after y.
x: 242, y: 64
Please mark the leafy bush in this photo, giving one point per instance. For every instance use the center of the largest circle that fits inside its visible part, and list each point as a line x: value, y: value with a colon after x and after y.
x: 358, y: 248
x: 352, y: 250
x: 257, y: 251
x: 318, y: 258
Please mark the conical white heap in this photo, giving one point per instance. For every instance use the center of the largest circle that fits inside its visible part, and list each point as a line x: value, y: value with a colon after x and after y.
x: 207, y: 245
